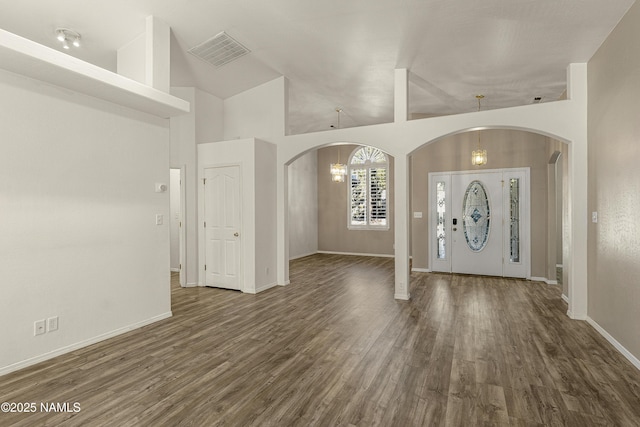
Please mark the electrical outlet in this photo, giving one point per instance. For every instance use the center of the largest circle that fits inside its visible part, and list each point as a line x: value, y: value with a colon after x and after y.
x: 52, y: 324
x: 159, y: 219
x: 39, y: 327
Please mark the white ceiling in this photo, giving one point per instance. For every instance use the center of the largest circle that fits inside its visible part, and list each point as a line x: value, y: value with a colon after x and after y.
x: 342, y: 53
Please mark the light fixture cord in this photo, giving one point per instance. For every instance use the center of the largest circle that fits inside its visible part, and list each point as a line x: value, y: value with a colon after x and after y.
x: 479, y: 97
x: 338, y: 111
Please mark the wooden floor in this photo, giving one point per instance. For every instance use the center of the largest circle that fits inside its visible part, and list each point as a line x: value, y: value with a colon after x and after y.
x: 335, y: 348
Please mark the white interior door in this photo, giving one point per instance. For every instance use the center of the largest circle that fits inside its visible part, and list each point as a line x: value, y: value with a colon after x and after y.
x: 479, y: 222
x: 222, y: 227
x: 476, y: 238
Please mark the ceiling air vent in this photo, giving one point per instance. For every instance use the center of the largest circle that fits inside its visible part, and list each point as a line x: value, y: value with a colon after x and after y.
x: 219, y: 50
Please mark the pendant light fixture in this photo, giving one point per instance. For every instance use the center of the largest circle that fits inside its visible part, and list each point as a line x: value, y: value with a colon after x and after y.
x: 479, y: 156
x: 338, y: 170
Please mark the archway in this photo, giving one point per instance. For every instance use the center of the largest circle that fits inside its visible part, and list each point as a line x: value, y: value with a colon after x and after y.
x: 562, y: 120
x: 317, y: 204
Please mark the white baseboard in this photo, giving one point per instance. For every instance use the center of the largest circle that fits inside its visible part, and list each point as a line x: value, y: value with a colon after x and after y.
x: 191, y: 285
x: 175, y: 270
x: 559, y: 266
x: 421, y: 270
x: 302, y: 256
x: 403, y: 297
x: 69, y: 348
x: 288, y: 282
x: 543, y: 279
x: 265, y: 287
x: 565, y: 298
x: 356, y: 254
x: 626, y: 353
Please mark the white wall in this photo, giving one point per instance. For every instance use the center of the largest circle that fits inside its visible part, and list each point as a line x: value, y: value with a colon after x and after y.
x: 209, y: 113
x: 258, y: 112
x: 265, y: 215
x: 303, y: 206
x: 77, y: 219
x: 146, y: 59
x: 175, y: 218
x: 202, y: 124
x: 131, y: 59
x: 183, y: 153
x: 258, y: 175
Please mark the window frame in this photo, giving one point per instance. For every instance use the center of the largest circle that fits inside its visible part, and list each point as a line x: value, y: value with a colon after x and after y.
x: 367, y: 165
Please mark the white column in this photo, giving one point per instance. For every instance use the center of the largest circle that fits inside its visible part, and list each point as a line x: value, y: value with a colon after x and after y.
x: 578, y: 208
x: 401, y: 217
x: 157, y: 54
x: 282, y: 209
x: 401, y: 95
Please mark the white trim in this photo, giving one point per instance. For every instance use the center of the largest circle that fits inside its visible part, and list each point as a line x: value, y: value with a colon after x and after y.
x: 192, y: 285
x: 288, y: 282
x: 33, y: 60
x: 265, y: 287
x: 356, y: 254
x: 626, y: 353
x: 175, y: 270
x: 403, y: 297
x: 421, y: 270
x: 543, y: 279
x: 303, y: 255
x: 69, y: 348
x: 565, y: 298
x: 559, y: 266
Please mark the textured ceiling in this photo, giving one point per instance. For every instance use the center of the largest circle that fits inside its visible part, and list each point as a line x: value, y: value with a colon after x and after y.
x: 339, y: 53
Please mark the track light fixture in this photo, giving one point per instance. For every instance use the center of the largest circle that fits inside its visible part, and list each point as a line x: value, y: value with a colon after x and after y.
x: 66, y: 36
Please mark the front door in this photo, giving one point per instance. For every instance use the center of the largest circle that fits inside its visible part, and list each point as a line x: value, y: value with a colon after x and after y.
x: 222, y: 226
x: 479, y: 222
x: 476, y: 238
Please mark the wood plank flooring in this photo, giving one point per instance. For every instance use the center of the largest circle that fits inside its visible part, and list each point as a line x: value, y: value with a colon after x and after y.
x: 335, y: 349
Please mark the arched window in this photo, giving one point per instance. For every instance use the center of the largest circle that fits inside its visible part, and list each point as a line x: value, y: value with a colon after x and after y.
x: 368, y: 184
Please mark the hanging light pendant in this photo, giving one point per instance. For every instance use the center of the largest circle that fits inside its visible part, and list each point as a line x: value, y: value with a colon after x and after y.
x: 479, y: 156
x: 338, y: 170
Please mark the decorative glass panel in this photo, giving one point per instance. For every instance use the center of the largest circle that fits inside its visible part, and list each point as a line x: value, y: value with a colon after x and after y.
x: 514, y: 215
x: 368, y: 154
x: 440, y: 213
x: 358, y: 197
x: 476, y: 216
x: 378, y: 192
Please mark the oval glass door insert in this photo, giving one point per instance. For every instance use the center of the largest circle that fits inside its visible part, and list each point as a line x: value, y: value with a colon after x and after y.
x: 476, y: 216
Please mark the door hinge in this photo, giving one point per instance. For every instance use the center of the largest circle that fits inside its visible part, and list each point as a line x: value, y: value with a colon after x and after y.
x: 204, y: 181
x: 180, y: 266
x: 205, y: 224
x: 180, y: 224
x: 205, y: 267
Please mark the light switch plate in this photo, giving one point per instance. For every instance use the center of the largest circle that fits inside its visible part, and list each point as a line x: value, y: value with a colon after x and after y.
x: 417, y: 214
x: 159, y: 219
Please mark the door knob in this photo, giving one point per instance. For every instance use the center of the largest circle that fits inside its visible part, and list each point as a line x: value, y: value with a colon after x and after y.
x: 454, y: 229
x: 236, y: 234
